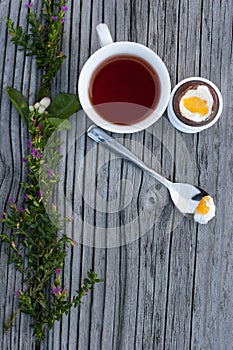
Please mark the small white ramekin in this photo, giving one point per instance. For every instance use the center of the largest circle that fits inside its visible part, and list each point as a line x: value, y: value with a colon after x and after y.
x: 178, y: 124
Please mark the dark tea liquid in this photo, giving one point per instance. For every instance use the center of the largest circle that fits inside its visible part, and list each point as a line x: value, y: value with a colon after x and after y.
x: 124, y: 89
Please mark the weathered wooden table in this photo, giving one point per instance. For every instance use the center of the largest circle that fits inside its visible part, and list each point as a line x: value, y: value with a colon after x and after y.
x: 167, y: 281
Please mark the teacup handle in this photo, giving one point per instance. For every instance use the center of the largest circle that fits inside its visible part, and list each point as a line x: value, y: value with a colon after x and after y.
x: 103, y: 34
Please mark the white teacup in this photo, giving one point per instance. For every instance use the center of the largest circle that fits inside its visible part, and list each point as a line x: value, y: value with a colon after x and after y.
x: 109, y: 49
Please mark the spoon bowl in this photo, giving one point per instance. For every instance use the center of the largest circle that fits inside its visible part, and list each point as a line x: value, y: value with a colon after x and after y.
x: 186, y: 198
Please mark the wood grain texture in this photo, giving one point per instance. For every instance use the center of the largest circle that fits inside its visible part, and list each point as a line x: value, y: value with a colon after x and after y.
x: 170, y: 288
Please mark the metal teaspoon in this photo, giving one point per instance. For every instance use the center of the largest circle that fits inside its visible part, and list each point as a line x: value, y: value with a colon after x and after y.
x: 185, y: 196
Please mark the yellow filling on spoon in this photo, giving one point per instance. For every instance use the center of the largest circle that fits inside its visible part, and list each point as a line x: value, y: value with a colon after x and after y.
x: 203, y: 206
x: 205, y: 210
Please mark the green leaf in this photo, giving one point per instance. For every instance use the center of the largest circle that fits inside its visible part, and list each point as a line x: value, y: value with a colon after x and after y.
x: 9, y: 23
x: 43, y: 92
x: 5, y: 238
x: 64, y: 105
x: 19, y: 31
x: 60, y: 124
x: 19, y: 102
x: 42, y: 303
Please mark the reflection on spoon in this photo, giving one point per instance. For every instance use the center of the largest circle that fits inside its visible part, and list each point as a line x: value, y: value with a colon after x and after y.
x: 190, y: 200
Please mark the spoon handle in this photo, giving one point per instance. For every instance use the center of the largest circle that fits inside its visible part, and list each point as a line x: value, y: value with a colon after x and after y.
x: 101, y: 137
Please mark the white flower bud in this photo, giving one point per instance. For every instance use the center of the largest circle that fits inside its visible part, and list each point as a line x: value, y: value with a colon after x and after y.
x: 31, y: 108
x: 37, y: 105
x: 45, y: 102
x: 41, y: 109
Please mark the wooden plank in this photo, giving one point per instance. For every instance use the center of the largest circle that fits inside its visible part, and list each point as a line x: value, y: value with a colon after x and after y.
x: 171, y: 287
x: 212, y: 314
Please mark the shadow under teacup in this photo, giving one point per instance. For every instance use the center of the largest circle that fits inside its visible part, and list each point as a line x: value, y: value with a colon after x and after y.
x: 123, y: 87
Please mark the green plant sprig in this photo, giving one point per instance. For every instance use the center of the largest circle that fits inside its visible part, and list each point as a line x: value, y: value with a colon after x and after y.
x: 31, y: 237
x: 42, y: 41
x: 33, y: 244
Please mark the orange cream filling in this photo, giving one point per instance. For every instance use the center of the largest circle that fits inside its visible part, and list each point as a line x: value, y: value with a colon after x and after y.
x: 196, y: 105
x: 203, y: 207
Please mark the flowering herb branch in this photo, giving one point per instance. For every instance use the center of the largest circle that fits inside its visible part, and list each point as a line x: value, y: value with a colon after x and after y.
x: 43, y: 38
x: 31, y: 237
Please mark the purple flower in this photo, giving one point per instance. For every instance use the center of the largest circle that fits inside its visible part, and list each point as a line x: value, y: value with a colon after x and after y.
x: 50, y: 173
x: 58, y: 271
x: 46, y: 165
x: 1, y: 216
x: 54, y: 18
x: 29, y: 5
x: 56, y: 290
x: 39, y: 128
x: 40, y: 193
x: 73, y: 242
x: 16, y: 293
x: 20, y: 210
x: 25, y: 159
x: 29, y: 143
x: 25, y: 239
x: 63, y: 20
x: 36, y: 153
x: 10, y: 200
x: 26, y: 196
x: 64, y: 8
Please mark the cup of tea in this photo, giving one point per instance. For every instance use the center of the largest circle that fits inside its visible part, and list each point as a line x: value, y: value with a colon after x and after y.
x: 124, y: 86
